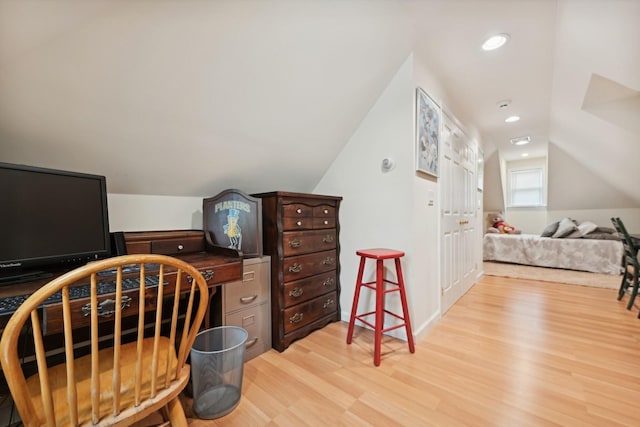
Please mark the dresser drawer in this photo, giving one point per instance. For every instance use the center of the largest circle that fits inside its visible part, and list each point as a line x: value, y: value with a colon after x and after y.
x: 323, y: 223
x: 256, y: 322
x: 308, y: 218
x: 301, y: 290
x: 253, y: 289
x: 303, y: 242
x: 324, y: 211
x: 297, y: 210
x: 301, y: 266
x: 290, y: 224
x: 310, y: 311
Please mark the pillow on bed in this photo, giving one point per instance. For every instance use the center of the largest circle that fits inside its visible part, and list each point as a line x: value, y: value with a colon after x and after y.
x: 605, y: 230
x: 584, y: 228
x: 550, y: 229
x: 566, y: 227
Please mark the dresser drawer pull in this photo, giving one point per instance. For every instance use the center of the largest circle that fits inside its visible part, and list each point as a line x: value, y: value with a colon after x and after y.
x: 296, y: 318
x: 326, y: 211
x: 328, y: 282
x: 327, y: 239
x: 180, y: 247
x: 328, y: 261
x: 247, y: 300
x: 295, y: 243
x: 326, y: 222
x: 299, y: 223
x: 295, y: 268
x: 298, y: 211
x: 296, y: 292
x: 251, y: 343
x: 328, y: 303
x: 107, y: 308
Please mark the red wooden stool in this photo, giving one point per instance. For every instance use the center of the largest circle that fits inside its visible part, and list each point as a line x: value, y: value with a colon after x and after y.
x: 379, y: 285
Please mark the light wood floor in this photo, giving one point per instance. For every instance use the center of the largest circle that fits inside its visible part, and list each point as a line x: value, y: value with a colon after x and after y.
x: 509, y: 353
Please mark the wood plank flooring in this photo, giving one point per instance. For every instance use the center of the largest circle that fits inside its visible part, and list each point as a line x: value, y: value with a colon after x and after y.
x: 511, y: 353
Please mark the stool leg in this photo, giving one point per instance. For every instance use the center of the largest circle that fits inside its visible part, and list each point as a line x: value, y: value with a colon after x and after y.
x: 379, y: 311
x: 405, y: 308
x: 356, y: 297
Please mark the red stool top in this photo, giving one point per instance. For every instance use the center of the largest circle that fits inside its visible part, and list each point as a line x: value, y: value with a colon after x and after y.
x: 380, y: 253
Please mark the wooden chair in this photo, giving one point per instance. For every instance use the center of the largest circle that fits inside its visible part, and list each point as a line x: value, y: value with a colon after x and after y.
x: 630, y: 278
x: 121, y: 382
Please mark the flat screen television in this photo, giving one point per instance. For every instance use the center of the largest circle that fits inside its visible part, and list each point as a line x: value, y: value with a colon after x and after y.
x: 50, y: 219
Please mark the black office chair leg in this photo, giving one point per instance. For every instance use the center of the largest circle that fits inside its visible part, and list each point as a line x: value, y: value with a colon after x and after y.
x: 634, y: 292
x: 623, y: 285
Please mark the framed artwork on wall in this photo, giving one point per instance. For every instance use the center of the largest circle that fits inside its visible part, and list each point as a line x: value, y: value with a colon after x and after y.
x: 427, y: 133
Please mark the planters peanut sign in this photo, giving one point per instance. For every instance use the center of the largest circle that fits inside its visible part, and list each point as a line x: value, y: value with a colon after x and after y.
x: 233, y: 220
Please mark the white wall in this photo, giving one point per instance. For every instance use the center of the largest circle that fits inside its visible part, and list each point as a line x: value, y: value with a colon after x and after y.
x: 134, y: 212
x: 395, y: 209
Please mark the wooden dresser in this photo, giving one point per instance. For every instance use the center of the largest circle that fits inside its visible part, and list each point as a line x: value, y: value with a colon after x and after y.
x: 301, y: 234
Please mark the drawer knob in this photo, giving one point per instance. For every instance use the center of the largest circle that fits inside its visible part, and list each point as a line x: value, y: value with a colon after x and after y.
x: 327, y: 239
x: 249, y: 299
x: 328, y: 303
x: 326, y: 222
x: 299, y: 210
x: 328, y: 261
x: 326, y: 211
x: 180, y: 247
x: 296, y: 318
x: 296, y: 292
x: 328, y: 282
x: 295, y: 243
x: 107, y: 308
x: 299, y: 223
x: 295, y: 268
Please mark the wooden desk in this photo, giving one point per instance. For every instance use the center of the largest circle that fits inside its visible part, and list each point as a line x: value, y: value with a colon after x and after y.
x: 218, y: 267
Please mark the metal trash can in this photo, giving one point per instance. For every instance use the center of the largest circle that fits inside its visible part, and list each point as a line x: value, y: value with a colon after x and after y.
x: 217, y: 364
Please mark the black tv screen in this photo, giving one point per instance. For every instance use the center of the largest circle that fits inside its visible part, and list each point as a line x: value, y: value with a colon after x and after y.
x: 50, y: 217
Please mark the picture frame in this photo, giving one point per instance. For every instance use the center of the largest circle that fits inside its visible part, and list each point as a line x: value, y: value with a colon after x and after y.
x: 428, y: 121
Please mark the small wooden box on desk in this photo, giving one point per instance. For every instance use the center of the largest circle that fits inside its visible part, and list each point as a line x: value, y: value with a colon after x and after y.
x: 301, y: 234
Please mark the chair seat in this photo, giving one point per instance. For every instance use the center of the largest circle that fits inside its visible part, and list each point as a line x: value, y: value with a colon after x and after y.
x: 380, y: 253
x: 128, y: 356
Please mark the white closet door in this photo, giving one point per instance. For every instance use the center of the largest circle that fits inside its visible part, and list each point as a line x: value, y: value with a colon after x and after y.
x: 458, y: 215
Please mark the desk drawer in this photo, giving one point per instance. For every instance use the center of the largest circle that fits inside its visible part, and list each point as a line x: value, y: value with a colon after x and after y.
x: 177, y: 246
x: 252, y: 290
x: 53, y: 317
x: 255, y: 320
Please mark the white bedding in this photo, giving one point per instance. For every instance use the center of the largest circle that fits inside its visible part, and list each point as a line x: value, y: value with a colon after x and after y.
x: 598, y: 256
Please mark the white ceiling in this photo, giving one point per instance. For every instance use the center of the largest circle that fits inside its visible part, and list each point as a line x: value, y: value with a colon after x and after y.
x: 191, y: 97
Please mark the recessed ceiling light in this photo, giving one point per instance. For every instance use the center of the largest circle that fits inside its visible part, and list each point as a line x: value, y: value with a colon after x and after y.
x: 512, y: 119
x: 522, y: 140
x: 525, y: 154
x: 495, y: 42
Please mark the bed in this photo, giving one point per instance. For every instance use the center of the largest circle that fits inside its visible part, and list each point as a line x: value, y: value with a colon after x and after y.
x: 594, y: 255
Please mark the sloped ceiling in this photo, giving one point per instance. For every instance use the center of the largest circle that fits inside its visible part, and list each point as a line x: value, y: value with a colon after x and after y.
x: 191, y: 97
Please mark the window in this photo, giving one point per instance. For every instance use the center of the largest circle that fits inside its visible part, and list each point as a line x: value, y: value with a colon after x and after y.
x: 526, y: 187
